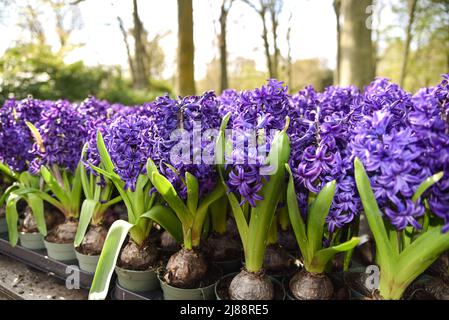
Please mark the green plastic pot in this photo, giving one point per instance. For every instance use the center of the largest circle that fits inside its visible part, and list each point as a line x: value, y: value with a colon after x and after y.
x: 60, y: 251
x: 3, y: 225
x: 33, y: 241
x: 86, y: 262
x: 138, y: 281
x: 280, y: 293
x: 173, y: 293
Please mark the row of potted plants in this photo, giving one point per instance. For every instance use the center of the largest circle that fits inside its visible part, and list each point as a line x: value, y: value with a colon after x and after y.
x: 252, y: 195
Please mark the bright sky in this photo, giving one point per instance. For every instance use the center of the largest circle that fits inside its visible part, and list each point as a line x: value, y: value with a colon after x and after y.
x: 313, y: 31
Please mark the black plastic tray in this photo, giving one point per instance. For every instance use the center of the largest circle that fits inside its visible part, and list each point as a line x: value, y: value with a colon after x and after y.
x: 38, y: 259
x: 119, y: 293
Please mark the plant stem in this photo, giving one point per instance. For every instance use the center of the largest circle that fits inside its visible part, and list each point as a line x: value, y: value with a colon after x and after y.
x: 273, y: 233
x: 219, y: 211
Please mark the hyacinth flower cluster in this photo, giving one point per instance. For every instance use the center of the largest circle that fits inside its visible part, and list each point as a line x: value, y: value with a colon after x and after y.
x: 321, y: 128
x: 252, y: 155
x: 255, y: 117
x: 321, y: 190
x: 182, y: 140
x: 15, y: 156
x: 124, y: 147
x: 183, y: 173
x: 15, y: 137
x: 430, y: 121
x: 400, y: 155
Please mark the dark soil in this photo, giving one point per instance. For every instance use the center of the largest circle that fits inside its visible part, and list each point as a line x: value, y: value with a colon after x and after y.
x: 2, y: 212
x: 63, y: 233
x: 224, y: 283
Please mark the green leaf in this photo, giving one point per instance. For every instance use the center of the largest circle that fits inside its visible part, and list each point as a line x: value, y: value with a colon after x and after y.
x: 37, y: 207
x: 167, y: 220
x: 324, y: 256
x: 192, y: 192
x: 12, y: 218
x: 220, y: 142
x: 75, y: 194
x: 7, y: 171
x: 6, y: 193
x: 386, y: 256
x: 88, y: 192
x: 240, y: 220
x: 201, y: 213
x: 87, y: 211
x: 218, y: 212
x: 168, y: 192
x: 262, y: 215
x: 106, y: 161
x: 426, y: 184
x: 298, y: 225
x: 54, y: 186
x: 317, y: 216
x: 108, y: 259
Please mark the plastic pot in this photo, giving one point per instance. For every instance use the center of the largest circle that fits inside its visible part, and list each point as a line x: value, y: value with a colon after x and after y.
x: 137, y: 281
x: 33, y: 241
x: 86, y: 262
x: 279, y: 291
x: 173, y: 293
x: 3, y: 225
x: 60, y: 251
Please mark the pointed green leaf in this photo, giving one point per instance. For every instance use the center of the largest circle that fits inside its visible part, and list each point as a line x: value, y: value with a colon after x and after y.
x: 37, y: 208
x: 167, y: 220
x: 87, y: 211
x: 240, y: 220
x: 106, y: 161
x: 108, y: 259
x: 168, y: 192
x: 324, y: 256
x: 426, y: 184
x: 54, y: 186
x: 12, y: 218
x: 192, y: 192
x: 317, y: 216
x: 385, y: 255
x: 298, y: 225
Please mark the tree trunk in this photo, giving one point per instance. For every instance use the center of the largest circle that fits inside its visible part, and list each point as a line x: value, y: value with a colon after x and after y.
x: 274, y: 26
x: 408, y: 39
x: 289, y: 53
x: 223, y: 48
x: 128, y: 50
x: 337, y: 8
x: 266, y: 44
x: 356, y: 59
x: 186, y: 76
x: 141, y: 74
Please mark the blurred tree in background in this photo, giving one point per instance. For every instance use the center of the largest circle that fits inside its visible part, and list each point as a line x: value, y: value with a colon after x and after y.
x: 405, y: 40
